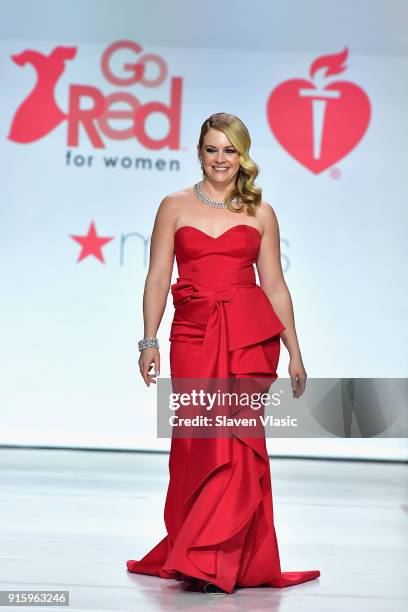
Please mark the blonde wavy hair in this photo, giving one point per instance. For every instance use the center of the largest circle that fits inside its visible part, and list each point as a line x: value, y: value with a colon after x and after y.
x: 237, y: 133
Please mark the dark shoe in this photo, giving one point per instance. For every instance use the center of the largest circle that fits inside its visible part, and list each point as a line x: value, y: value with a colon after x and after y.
x: 213, y: 589
x: 202, y: 586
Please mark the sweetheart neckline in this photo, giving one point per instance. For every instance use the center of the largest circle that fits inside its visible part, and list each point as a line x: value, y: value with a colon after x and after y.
x: 223, y: 233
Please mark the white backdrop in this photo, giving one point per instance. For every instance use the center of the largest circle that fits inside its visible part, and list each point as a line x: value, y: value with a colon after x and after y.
x: 70, y: 326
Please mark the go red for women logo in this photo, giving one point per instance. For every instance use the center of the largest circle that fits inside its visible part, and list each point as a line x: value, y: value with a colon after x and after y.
x: 319, y: 122
x: 39, y: 113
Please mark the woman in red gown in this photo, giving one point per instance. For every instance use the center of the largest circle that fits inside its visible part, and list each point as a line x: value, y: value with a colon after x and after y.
x: 218, y: 511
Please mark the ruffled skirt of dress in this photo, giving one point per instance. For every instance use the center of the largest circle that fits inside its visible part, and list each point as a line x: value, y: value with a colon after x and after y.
x: 219, y: 511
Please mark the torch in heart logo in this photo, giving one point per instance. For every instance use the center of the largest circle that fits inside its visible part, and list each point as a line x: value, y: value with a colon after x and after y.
x: 318, y: 123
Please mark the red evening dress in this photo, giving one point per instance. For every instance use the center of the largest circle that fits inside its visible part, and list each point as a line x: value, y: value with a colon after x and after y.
x: 218, y: 512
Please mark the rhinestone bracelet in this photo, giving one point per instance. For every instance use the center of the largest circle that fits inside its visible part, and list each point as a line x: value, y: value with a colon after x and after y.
x: 148, y: 343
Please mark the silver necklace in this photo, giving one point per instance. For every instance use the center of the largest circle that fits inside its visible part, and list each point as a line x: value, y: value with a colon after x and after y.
x: 209, y: 201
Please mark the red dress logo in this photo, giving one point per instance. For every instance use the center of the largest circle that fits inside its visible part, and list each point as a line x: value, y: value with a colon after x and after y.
x: 39, y: 113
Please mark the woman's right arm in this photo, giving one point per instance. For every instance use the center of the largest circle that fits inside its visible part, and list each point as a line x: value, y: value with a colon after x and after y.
x: 157, y: 284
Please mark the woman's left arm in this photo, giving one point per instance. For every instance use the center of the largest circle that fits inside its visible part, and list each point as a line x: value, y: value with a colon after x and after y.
x: 274, y: 285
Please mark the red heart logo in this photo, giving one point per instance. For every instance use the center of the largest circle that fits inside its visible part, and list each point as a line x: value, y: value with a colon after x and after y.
x: 318, y: 126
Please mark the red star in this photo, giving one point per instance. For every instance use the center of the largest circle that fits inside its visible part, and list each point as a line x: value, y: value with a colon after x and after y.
x: 91, y: 244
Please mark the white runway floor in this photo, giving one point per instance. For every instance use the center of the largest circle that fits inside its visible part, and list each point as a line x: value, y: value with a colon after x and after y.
x: 69, y: 520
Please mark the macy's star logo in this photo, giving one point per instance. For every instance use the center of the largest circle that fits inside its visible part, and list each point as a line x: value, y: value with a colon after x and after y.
x: 91, y: 243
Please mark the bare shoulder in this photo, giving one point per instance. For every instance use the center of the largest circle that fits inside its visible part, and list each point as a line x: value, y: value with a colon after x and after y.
x: 267, y: 216
x: 176, y: 199
x: 171, y: 207
x: 177, y: 196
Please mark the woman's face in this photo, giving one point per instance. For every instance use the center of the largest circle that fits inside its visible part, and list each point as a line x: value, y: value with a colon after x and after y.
x: 220, y: 159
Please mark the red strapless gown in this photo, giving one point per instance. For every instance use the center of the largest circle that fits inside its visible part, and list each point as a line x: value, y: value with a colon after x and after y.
x: 218, y: 511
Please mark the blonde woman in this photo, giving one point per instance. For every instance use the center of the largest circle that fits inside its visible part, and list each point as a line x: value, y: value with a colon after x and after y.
x: 218, y: 512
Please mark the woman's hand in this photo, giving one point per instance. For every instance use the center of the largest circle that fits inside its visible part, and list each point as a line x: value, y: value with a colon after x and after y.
x: 298, y: 375
x: 148, y: 358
